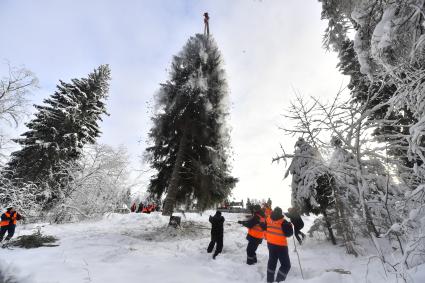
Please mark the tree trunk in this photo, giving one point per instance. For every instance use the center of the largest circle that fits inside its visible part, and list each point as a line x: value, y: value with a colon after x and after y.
x: 389, y: 214
x: 329, y: 226
x: 361, y: 186
x: 345, y: 225
x: 170, y: 200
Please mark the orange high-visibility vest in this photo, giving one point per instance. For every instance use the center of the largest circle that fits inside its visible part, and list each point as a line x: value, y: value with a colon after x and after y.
x: 7, y: 221
x: 274, y: 232
x: 268, y: 211
x: 256, y: 231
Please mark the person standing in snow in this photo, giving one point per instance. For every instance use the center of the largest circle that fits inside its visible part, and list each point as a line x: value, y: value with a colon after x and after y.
x: 277, y: 230
x: 133, y: 207
x: 206, y: 24
x: 267, y: 209
x: 297, y: 222
x: 140, y: 208
x: 8, y: 223
x: 147, y: 208
x: 217, y: 222
x: 255, y: 234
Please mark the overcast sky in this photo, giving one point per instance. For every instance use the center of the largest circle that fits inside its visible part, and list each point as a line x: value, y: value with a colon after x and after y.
x: 269, y: 47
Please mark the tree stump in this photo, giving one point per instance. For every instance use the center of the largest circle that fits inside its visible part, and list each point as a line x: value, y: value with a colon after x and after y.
x: 174, y: 221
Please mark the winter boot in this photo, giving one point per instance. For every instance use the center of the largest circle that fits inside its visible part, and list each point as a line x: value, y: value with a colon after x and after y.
x: 5, y: 244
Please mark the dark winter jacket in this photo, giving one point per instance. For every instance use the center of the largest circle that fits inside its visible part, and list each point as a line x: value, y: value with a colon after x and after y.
x: 217, y: 222
x: 296, y: 221
x: 286, y: 226
x: 251, y: 222
x: 140, y: 208
x: 133, y: 207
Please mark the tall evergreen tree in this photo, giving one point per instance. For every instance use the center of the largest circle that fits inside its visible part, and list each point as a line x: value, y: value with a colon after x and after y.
x: 191, y: 142
x: 66, y: 122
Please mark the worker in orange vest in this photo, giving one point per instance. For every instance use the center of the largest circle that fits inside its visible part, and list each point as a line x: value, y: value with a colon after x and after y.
x: 278, y: 229
x: 151, y: 208
x: 8, y: 223
x: 267, y: 210
x: 256, y: 226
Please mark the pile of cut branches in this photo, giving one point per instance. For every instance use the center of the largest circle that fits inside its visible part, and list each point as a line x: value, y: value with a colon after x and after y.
x: 34, y: 240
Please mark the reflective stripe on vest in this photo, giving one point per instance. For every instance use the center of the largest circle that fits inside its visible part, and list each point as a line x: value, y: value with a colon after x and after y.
x: 256, y: 231
x: 274, y: 232
x: 8, y: 218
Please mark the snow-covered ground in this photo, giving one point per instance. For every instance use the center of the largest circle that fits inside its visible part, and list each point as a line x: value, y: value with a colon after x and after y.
x: 141, y: 248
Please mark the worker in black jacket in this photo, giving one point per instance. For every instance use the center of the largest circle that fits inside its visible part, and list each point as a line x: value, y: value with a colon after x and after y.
x: 217, y: 222
x: 297, y: 222
x: 256, y: 227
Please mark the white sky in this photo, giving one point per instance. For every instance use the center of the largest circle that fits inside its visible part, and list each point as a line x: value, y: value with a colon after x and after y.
x: 269, y: 48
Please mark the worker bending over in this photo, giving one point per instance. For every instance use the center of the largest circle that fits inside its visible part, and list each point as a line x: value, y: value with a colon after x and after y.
x: 256, y: 227
x: 8, y: 223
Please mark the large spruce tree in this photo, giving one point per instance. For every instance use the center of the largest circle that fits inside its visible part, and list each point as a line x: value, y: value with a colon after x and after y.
x: 66, y: 122
x: 190, y: 138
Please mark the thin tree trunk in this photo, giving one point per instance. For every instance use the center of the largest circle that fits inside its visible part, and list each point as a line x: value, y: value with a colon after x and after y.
x: 389, y: 214
x: 361, y: 184
x: 170, y: 200
x: 329, y: 226
x: 345, y: 225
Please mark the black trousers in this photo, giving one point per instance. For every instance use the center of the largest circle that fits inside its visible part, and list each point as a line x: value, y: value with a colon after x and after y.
x: 278, y: 253
x: 10, y: 231
x: 297, y: 235
x: 216, y: 239
x: 253, y: 243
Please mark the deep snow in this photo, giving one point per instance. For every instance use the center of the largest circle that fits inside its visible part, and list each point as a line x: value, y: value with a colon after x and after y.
x: 141, y: 248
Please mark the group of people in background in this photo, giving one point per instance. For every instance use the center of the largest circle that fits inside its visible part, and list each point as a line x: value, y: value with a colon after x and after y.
x: 269, y: 225
x: 144, y: 208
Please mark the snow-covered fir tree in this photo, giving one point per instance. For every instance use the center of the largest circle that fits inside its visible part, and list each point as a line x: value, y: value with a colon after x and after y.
x: 389, y: 46
x: 191, y: 142
x: 66, y: 122
x: 393, y: 123
x: 362, y: 192
x: 312, y: 183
